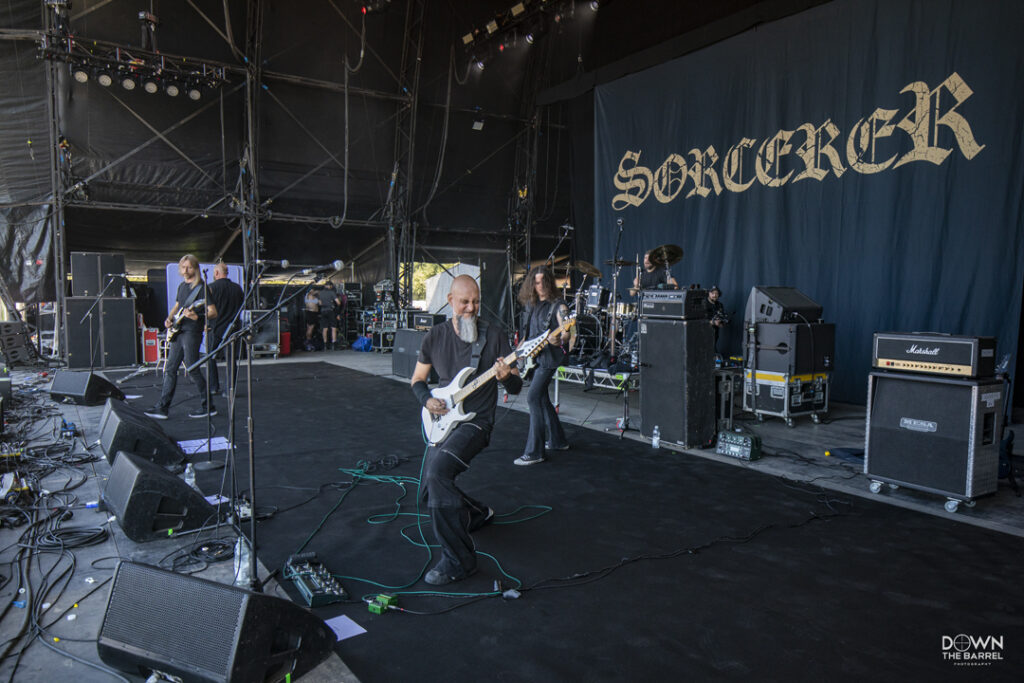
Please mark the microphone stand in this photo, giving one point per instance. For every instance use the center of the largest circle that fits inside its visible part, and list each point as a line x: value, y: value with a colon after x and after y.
x: 613, y: 322
x: 245, y: 333
x: 209, y: 463
x: 88, y: 314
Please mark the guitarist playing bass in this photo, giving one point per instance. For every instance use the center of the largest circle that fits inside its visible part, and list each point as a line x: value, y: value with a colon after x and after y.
x: 543, y: 312
x: 185, y: 344
x: 450, y: 346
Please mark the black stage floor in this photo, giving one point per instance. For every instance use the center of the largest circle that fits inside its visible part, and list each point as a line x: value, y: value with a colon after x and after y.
x: 631, y: 563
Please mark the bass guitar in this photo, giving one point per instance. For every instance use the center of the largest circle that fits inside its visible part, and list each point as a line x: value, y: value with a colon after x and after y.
x: 436, y: 428
x: 175, y: 329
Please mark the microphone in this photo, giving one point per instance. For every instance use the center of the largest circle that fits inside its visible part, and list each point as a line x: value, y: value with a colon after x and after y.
x: 117, y: 274
x: 618, y: 222
x: 271, y: 262
x: 320, y: 270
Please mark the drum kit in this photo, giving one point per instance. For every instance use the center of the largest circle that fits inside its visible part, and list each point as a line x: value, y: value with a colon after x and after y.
x: 604, y: 323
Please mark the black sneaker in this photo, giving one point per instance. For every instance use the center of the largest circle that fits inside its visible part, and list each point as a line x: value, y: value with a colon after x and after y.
x: 528, y: 459
x: 549, y: 447
x: 202, y: 412
x: 157, y: 413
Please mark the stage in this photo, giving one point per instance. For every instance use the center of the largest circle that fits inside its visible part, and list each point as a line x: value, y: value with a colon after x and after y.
x: 613, y: 560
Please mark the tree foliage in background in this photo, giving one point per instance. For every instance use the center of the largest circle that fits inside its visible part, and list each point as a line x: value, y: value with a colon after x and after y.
x: 421, y: 272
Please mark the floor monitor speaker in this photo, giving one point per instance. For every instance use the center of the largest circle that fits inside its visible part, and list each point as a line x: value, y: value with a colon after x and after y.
x: 84, y: 388
x: 150, y: 502
x: 124, y: 427
x: 199, y: 630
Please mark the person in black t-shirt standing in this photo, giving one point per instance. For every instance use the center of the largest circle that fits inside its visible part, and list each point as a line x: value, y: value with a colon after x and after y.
x: 543, y: 312
x: 227, y: 297
x: 329, y: 305
x: 448, y: 348
x: 185, y: 345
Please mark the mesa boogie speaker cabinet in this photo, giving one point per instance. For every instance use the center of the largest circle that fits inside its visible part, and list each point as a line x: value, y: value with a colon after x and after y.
x: 934, y: 434
x: 109, y: 333
x: 677, y: 386
x: 406, y: 351
x: 199, y: 630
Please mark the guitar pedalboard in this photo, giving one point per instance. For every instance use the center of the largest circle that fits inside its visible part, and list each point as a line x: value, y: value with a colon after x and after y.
x: 313, y: 581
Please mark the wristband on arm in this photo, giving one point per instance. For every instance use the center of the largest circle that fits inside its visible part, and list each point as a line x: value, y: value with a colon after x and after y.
x: 513, y: 383
x: 422, y: 392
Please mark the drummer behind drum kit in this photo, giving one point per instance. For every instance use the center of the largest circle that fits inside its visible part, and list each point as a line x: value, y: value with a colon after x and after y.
x: 605, y: 325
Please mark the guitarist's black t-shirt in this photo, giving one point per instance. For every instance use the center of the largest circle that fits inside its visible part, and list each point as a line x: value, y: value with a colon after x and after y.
x: 443, y: 349
x: 187, y: 324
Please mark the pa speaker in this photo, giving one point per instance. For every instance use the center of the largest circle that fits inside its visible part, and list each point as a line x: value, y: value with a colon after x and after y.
x: 406, y: 352
x: 83, y: 388
x: 780, y: 305
x: 934, y: 434
x: 677, y: 388
x: 205, y: 631
x: 149, y: 501
x: 123, y: 427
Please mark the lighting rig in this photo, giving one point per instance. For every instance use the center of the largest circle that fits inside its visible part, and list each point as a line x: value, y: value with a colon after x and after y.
x: 526, y: 21
x: 131, y: 68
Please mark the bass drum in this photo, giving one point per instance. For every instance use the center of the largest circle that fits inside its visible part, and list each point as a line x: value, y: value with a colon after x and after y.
x: 587, y: 337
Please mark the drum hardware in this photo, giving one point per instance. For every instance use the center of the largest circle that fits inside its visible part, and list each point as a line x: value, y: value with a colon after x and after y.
x: 618, y: 262
x: 587, y: 269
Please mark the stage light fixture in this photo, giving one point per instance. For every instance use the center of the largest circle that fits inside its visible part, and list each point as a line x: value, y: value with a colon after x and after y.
x: 150, y: 85
x: 172, y: 89
x: 104, y: 78
x: 492, y: 27
x: 194, y: 93
x: 80, y: 73
x: 480, y: 64
x: 518, y: 9
x: 530, y: 38
x: 478, y: 124
x: 128, y: 81
x: 467, y: 39
x: 595, y: 5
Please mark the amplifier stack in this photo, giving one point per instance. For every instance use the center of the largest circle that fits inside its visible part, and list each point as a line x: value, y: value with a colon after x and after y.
x: 935, y: 411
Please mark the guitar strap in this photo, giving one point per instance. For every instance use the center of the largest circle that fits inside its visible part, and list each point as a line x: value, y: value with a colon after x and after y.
x: 478, y: 345
x: 192, y: 295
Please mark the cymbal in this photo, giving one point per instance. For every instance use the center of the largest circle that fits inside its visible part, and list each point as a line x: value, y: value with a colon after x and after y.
x: 619, y: 262
x: 666, y: 255
x: 587, y: 268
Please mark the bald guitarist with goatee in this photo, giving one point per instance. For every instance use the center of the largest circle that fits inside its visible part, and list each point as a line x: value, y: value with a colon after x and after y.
x: 465, y: 341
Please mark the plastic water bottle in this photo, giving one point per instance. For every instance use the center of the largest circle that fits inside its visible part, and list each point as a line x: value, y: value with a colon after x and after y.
x: 656, y: 438
x: 241, y: 562
x: 190, y: 476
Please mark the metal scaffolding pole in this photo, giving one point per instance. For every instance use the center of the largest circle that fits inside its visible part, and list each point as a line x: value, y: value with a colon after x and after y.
x: 249, y: 190
x: 52, y: 17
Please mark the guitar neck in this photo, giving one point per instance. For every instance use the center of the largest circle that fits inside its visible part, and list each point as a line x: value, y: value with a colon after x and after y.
x: 463, y: 393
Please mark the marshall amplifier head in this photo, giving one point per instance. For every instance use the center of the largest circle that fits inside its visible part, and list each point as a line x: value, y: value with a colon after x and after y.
x: 935, y: 354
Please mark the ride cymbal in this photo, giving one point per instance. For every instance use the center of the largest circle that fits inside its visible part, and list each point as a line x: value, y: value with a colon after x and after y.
x: 666, y: 255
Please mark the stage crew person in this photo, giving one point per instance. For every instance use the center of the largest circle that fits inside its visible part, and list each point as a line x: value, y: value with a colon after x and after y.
x: 448, y: 348
x: 330, y: 304
x: 227, y: 297
x: 543, y: 312
x: 653, y: 277
x: 716, y: 312
x: 185, y: 345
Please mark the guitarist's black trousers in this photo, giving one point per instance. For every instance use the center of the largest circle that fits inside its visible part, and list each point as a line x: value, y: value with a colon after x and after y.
x: 185, y: 346
x: 454, y: 514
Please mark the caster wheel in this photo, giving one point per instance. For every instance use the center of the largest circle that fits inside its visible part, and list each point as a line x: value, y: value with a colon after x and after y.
x: 875, y: 487
x: 760, y: 418
x: 815, y: 419
x: 969, y: 503
x: 789, y: 422
x: 952, y: 505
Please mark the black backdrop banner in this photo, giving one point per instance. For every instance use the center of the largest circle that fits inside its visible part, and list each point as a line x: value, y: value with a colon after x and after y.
x: 870, y: 154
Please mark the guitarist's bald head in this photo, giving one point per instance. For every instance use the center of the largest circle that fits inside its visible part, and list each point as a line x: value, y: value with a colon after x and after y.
x: 464, y: 284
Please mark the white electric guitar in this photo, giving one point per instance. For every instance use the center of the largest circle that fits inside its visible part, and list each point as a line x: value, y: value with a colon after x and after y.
x: 437, y: 427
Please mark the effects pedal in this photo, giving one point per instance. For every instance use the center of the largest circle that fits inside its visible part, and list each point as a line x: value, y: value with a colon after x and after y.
x: 741, y: 446
x: 313, y: 581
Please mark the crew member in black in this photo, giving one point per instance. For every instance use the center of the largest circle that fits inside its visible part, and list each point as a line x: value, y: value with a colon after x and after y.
x: 329, y: 306
x: 653, y: 277
x: 448, y: 348
x: 185, y: 345
x: 227, y: 297
x: 543, y: 312
x: 716, y: 312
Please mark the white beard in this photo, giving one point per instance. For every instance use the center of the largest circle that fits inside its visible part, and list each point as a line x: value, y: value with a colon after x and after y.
x: 466, y: 329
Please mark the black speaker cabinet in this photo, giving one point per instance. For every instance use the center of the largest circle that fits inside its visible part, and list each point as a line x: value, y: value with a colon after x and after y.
x: 792, y: 348
x: 677, y: 386
x: 205, y: 631
x: 934, y: 434
x: 405, y: 352
x: 124, y: 427
x: 780, y: 305
x: 148, y: 501
x: 91, y: 271
x: 110, y: 334
x: 83, y: 388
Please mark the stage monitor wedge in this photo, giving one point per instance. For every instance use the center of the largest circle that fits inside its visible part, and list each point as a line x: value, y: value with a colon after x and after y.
x: 124, y: 427
x: 200, y: 630
x: 83, y: 388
